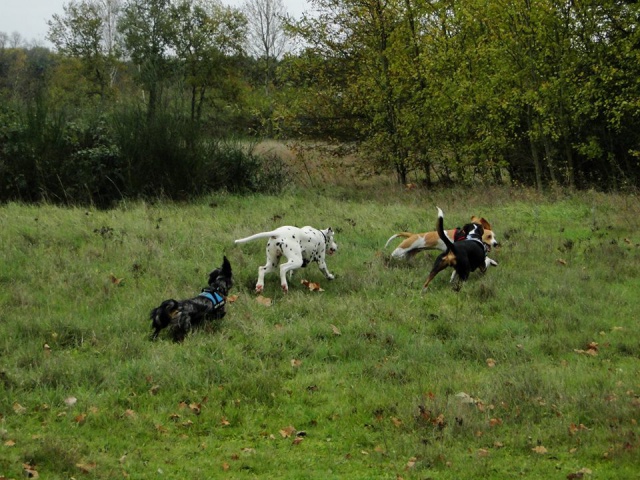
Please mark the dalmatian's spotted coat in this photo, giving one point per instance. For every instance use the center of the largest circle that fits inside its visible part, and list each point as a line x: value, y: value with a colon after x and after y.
x: 300, y: 246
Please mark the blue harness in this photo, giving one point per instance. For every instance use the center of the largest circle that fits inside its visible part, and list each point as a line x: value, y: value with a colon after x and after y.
x: 217, y: 300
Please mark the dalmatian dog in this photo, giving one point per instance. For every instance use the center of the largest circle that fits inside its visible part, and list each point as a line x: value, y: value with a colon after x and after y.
x: 300, y: 246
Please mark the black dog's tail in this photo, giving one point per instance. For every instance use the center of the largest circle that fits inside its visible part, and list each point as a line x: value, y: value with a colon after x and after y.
x: 440, y: 229
x: 161, y: 316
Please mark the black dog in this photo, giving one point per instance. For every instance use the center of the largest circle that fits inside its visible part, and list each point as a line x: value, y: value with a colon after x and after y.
x: 181, y: 316
x: 464, y: 256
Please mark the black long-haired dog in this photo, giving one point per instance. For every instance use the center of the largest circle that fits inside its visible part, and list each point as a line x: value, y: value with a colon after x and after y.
x: 181, y: 315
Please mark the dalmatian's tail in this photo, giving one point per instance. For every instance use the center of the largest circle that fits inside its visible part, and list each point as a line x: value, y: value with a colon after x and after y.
x: 257, y: 236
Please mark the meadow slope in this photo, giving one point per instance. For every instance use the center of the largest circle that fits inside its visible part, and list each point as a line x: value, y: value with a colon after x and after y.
x: 530, y: 371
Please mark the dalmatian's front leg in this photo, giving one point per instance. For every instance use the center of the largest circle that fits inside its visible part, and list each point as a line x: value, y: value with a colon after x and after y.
x: 323, y: 268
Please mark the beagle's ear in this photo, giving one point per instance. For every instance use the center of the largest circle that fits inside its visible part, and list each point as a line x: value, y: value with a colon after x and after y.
x: 482, y: 222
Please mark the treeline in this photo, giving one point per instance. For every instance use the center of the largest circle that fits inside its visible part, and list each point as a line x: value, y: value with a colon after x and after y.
x: 144, y: 97
x: 540, y: 92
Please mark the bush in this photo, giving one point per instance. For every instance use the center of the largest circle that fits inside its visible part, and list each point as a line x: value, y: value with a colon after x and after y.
x: 99, y: 160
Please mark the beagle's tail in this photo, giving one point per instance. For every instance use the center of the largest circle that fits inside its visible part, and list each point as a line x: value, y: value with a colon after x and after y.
x: 401, y: 234
x: 440, y: 229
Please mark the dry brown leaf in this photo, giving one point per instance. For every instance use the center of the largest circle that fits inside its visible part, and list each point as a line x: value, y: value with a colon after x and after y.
x: 19, y: 409
x: 313, y: 286
x: 336, y: 330
x: 495, y: 421
x: 483, y: 452
x: 195, y: 408
x: 411, y: 463
x: 539, y: 450
x: 86, y: 467
x: 224, y: 422
x: 296, y: 363
x: 288, y: 431
x: 298, y: 440
x: 115, y: 280
x: 561, y: 261
x: 10, y: 443
x: 491, y: 362
x: 80, y: 419
x: 232, y: 298
x: 266, y: 301
x: 29, y: 471
x: 396, y: 421
x: 154, y: 390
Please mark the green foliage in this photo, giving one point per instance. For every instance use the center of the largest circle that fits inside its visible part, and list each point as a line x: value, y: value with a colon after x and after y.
x: 367, y: 379
x: 460, y: 91
x: 103, y: 159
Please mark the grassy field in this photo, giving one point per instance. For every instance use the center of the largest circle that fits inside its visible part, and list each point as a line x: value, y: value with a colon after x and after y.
x: 530, y: 371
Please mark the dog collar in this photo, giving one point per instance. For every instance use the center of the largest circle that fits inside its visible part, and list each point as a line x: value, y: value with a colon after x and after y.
x: 216, y: 299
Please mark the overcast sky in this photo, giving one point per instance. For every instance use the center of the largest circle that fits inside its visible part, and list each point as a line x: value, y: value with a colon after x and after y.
x: 29, y: 17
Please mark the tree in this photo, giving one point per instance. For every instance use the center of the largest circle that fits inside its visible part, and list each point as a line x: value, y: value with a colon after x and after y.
x: 202, y: 40
x: 87, y: 31
x: 267, y: 38
x: 145, y: 28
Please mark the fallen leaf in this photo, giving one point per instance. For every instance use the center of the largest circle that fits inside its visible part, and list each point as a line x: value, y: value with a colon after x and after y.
x: 483, y: 452
x: 336, y: 330
x: 115, y: 280
x: 195, y: 408
x: 561, y: 261
x: 411, y: 463
x: 19, y: 409
x: 129, y: 413
x: 539, y: 450
x: 29, y: 471
x: 10, y: 443
x: 154, y: 390
x: 86, y: 467
x: 226, y: 467
x: 313, y: 286
x: 491, y: 362
x: 224, y: 422
x: 495, y: 421
x: 80, y: 419
x: 297, y: 440
x: 296, y: 363
x: 232, y: 298
x: 396, y: 421
x: 287, y: 431
x: 70, y: 401
x: 266, y: 301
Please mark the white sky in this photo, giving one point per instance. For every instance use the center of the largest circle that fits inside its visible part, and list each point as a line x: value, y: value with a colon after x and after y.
x: 29, y: 17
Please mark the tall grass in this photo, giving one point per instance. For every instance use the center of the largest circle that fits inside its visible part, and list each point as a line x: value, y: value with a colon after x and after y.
x: 529, y: 371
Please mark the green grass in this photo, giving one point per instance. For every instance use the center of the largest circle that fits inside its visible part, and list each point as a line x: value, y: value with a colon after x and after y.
x: 370, y: 370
